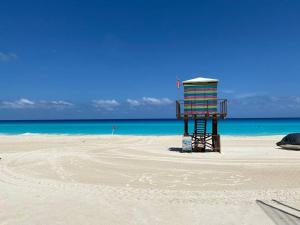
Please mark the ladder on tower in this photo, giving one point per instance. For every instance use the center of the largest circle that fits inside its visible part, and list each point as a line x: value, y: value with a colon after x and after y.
x: 200, y: 135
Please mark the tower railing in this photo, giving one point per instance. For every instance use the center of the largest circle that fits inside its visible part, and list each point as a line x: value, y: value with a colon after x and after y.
x: 189, y: 108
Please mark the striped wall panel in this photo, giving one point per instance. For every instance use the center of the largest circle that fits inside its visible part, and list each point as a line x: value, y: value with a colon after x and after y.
x: 200, y: 98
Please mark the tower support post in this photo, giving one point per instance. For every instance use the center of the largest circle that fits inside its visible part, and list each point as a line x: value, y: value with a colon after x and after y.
x: 215, y: 136
x: 215, y: 125
x: 186, y: 125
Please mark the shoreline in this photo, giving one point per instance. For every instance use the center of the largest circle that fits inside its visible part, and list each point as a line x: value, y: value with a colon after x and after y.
x: 132, y: 135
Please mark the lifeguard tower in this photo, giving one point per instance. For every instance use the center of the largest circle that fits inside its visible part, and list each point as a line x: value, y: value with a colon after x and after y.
x: 203, y: 109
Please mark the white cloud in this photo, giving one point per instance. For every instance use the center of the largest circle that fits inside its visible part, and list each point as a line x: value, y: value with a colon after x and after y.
x: 264, y: 106
x: 156, y: 101
x: 7, y: 56
x: 296, y: 99
x: 24, y: 103
x: 19, y: 104
x: 61, y: 103
x: 105, y: 104
x: 249, y: 95
x: 268, y: 103
x: 149, y: 101
x: 133, y: 102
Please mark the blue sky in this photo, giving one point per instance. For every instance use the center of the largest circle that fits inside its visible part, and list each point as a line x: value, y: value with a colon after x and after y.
x: 119, y: 59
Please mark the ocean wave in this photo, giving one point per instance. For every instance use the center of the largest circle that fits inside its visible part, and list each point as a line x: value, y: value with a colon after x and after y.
x: 28, y: 133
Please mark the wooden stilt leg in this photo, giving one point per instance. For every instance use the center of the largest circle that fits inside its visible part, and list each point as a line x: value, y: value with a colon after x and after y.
x: 186, y: 126
x: 215, y: 136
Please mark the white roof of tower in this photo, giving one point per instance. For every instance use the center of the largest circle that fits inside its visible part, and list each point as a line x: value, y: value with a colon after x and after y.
x: 200, y: 80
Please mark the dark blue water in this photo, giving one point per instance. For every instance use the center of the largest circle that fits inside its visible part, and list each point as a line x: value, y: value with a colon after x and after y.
x: 148, y: 127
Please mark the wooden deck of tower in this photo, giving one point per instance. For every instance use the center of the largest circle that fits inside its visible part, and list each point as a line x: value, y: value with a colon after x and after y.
x: 201, y: 106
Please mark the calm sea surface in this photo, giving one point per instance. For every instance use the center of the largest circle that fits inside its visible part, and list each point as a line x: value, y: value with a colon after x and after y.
x: 148, y: 127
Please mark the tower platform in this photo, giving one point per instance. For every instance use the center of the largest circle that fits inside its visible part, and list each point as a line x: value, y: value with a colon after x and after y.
x: 204, y: 136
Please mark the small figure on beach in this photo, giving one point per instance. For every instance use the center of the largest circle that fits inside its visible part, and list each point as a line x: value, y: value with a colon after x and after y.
x: 114, y: 128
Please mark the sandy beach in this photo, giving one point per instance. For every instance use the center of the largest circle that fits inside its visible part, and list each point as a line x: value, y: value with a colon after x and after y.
x: 57, y: 179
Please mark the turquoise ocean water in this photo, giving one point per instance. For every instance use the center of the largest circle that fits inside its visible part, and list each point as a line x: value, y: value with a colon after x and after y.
x: 148, y: 127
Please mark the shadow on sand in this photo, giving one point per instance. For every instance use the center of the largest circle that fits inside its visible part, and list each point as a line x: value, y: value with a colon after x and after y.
x: 175, y: 149
x: 283, y: 215
x: 286, y: 149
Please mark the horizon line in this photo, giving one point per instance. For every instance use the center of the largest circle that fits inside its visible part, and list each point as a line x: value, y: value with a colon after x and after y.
x: 120, y: 119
